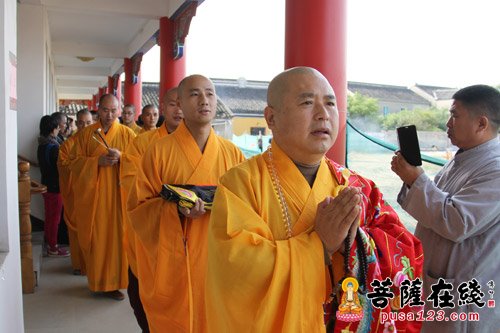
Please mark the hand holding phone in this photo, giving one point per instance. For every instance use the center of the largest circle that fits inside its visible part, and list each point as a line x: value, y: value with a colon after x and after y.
x: 408, y: 144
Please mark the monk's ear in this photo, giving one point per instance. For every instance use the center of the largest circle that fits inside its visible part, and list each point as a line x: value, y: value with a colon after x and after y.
x: 269, y: 116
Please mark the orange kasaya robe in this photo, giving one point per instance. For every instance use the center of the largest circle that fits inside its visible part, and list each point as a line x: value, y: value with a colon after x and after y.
x: 259, y: 280
x: 63, y: 162
x: 130, y: 164
x: 136, y: 128
x: 172, y: 253
x: 99, y: 221
x: 144, y: 130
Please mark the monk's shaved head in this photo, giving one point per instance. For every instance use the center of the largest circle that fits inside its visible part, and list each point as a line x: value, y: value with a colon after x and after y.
x: 197, y: 100
x: 83, y: 119
x: 302, y: 114
x: 108, y: 110
x: 170, y: 95
x: 171, y: 111
x: 184, y: 83
x: 281, y: 83
x: 107, y: 97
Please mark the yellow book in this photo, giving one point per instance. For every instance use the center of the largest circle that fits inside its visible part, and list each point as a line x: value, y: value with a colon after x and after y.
x: 186, y: 195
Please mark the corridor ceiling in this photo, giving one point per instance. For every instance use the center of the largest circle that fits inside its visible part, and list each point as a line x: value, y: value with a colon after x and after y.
x: 90, y: 38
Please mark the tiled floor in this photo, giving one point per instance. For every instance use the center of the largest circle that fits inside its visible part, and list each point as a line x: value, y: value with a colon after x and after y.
x: 63, y: 304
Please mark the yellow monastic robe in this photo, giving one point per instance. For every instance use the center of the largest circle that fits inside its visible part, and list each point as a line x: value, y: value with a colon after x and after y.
x: 130, y: 165
x: 258, y: 280
x: 63, y: 162
x: 136, y: 128
x: 99, y: 221
x: 172, y: 253
x: 143, y: 130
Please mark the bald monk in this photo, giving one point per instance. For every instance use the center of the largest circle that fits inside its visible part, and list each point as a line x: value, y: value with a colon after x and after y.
x: 95, y: 116
x: 99, y: 221
x: 83, y: 119
x: 149, y: 117
x: 173, y: 117
x: 283, y: 220
x: 128, y: 118
x: 172, y: 113
x: 173, y: 239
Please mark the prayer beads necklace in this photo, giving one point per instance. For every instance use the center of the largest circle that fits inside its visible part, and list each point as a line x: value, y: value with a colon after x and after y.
x: 279, y: 193
x: 363, y: 263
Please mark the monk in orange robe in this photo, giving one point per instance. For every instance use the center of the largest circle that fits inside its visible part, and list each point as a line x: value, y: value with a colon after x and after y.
x: 95, y: 158
x: 282, y: 218
x: 149, y: 117
x: 171, y: 240
x: 173, y: 117
x: 128, y: 118
x: 83, y: 119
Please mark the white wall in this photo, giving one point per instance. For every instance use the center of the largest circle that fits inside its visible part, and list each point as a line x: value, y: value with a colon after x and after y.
x: 31, y: 76
x: 11, y: 311
x: 36, y: 98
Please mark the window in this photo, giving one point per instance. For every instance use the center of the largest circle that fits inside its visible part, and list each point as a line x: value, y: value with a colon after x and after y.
x: 385, y: 110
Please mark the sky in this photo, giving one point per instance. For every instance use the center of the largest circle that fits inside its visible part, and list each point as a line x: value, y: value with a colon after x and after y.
x: 451, y: 43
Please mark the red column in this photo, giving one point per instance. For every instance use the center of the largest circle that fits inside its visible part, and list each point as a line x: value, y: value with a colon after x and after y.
x: 94, y: 102
x: 119, y: 91
x: 132, y: 92
x: 110, y: 85
x: 315, y: 36
x: 89, y: 104
x: 171, y: 71
x: 102, y: 91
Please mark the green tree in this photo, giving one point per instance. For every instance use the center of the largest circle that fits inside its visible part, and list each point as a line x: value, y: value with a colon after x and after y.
x: 360, y: 106
x: 432, y: 119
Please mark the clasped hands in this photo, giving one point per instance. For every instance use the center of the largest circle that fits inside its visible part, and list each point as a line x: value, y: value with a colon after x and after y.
x: 111, y: 158
x: 338, y: 217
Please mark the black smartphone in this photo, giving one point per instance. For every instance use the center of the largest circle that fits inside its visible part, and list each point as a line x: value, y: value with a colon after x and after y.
x: 408, y: 144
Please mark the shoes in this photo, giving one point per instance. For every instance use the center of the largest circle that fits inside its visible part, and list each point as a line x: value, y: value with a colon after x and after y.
x: 57, y: 252
x: 115, y: 294
x: 77, y: 272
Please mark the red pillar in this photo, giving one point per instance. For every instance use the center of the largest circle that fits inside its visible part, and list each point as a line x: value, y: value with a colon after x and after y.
x: 102, y: 91
x: 94, y: 102
x: 172, y: 71
x: 119, y: 91
x: 89, y: 104
x: 315, y: 36
x: 110, y: 85
x: 132, y: 92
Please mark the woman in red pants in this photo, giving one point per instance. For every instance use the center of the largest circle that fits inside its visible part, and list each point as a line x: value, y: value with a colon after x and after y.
x: 48, y: 151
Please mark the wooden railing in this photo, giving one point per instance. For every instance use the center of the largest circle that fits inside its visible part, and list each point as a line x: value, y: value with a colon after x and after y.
x: 31, y: 162
x: 27, y: 187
